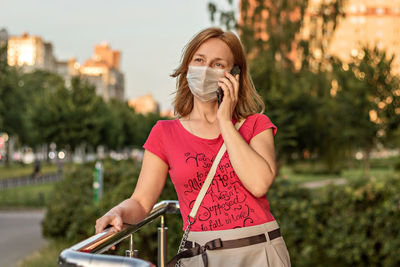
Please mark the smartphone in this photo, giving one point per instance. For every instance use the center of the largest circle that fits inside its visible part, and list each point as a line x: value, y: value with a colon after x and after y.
x: 220, y: 93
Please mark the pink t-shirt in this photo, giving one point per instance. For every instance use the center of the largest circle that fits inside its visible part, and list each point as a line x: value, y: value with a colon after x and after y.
x: 227, y: 204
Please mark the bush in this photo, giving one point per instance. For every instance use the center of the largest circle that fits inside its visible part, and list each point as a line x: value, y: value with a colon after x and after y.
x: 384, y: 163
x: 351, y: 225
x: 71, y: 213
x: 397, y: 165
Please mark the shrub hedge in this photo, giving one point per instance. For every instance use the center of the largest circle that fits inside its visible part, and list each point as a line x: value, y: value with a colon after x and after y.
x: 71, y: 213
x: 352, y: 225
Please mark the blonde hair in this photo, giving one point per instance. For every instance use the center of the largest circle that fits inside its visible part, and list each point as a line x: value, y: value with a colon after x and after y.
x: 249, y: 101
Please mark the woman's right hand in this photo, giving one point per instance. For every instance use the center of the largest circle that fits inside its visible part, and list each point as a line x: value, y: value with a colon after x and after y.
x: 112, y: 218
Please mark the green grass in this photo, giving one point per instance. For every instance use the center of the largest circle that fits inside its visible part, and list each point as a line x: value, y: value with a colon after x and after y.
x: 378, y: 173
x: 288, y: 174
x: 45, y: 257
x: 18, y: 170
x: 26, y: 196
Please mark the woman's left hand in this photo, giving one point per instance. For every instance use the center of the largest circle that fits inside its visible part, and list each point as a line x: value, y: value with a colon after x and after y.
x: 230, y: 86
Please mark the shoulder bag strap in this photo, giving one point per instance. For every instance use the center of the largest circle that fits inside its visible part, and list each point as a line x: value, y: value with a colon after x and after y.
x: 210, y: 176
x: 200, y: 196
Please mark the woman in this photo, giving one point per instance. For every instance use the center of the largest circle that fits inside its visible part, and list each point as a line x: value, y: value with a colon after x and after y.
x: 234, y: 210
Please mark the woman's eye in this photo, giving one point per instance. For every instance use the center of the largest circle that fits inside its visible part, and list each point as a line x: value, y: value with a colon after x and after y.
x: 198, y: 59
x: 219, y: 65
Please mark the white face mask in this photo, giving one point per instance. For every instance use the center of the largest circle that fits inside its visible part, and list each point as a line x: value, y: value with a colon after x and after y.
x: 203, y: 82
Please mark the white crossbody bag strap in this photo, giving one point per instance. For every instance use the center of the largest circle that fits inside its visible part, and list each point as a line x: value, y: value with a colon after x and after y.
x: 202, y: 193
x: 210, y: 176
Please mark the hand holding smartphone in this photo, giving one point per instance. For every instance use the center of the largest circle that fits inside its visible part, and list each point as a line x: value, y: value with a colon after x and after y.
x: 220, y: 93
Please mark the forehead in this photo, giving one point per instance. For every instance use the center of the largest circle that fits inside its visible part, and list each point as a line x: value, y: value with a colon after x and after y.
x: 215, y: 48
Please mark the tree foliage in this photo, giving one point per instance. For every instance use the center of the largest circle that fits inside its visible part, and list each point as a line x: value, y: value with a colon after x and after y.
x: 299, y: 89
x: 367, y: 97
x: 39, y: 109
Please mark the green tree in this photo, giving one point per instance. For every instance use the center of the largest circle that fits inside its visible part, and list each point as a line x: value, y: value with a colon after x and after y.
x: 294, y: 85
x: 142, y: 126
x: 38, y: 86
x: 72, y: 117
x: 13, y: 105
x: 368, y: 96
x: 123, y: 127
x: 112, y: 129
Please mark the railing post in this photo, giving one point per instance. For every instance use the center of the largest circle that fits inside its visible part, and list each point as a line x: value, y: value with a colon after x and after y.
x: 162, y: 243
x: 87, y: 252
x: 131, y: 253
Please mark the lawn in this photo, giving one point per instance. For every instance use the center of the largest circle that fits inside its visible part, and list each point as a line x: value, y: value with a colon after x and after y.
x: 45, y: 257
x: 18, y: 170
x: 26, y: 196
x: 293, y: 175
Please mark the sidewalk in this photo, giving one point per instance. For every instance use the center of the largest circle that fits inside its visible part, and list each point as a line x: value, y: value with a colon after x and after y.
x: 21, y: 234
x: 317, y: 184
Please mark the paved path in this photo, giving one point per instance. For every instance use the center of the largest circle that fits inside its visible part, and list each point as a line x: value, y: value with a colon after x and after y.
x: 316, y: 184
x: 20, y: 235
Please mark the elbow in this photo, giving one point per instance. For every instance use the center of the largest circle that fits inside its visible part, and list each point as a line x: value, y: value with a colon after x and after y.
x: 262, y: 189
x: 259, y: 193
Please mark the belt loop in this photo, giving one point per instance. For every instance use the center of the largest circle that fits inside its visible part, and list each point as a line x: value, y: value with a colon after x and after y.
x: 267, y: 236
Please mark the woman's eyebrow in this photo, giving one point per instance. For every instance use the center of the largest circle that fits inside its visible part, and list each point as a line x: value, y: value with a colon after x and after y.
x: 217, y: 58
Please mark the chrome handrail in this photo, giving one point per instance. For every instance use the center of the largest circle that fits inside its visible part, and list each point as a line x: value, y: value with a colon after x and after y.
x: 85, y: 253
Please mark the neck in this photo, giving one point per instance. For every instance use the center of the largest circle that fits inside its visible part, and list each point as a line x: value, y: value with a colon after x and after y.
x: 205, y: 111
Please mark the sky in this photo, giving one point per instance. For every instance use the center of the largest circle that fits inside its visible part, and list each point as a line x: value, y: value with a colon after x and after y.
x: 149, y: 34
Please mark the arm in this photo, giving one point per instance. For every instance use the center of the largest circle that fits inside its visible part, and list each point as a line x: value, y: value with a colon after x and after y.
x: 254, y: 163
x: 151, y: 181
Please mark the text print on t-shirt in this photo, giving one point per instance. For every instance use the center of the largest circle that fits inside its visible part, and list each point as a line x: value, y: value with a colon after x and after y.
x: 224, y: 204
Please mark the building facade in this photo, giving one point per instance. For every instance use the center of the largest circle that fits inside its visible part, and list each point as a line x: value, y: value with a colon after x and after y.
x: 145, y: 104
x: 30, y: 52
x: 103, y: 71
x: 68, y: 69
x: 372, y: 23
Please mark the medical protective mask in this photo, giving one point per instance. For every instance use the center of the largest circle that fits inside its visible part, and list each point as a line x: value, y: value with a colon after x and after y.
x: 203, y: 82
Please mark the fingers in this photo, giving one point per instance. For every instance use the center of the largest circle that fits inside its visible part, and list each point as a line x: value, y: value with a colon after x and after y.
x: 100, y: 225
x: 225, y: 88
x: 103, y: 222
x: 117, y: 223
x: 230, y: 85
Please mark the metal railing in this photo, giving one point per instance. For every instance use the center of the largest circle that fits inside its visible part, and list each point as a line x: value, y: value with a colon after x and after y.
x: 29, y: 180
x: 88, y: 252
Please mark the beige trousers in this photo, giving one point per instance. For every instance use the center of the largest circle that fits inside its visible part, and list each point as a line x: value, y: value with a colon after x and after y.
x: 272, y: 253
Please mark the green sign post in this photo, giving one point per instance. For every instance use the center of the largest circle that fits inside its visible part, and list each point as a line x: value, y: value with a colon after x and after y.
x: 98, y: 182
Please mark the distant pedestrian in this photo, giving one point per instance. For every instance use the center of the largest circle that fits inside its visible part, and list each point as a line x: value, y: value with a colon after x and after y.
x: 36, y: 169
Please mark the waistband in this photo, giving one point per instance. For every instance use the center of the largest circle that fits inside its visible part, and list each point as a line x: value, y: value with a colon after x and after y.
x: 203, y: 237
x: 226, y: 239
